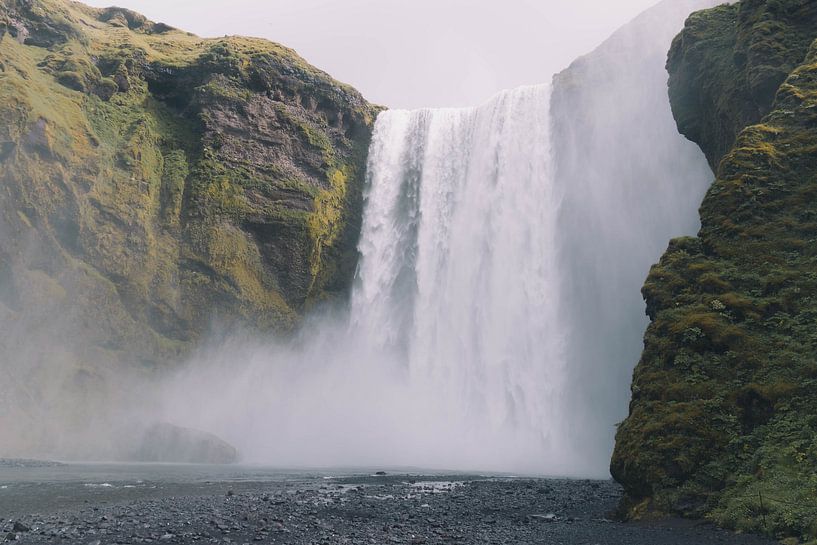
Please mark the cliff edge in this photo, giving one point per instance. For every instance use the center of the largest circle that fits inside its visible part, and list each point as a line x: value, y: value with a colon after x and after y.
x: 723, y: 418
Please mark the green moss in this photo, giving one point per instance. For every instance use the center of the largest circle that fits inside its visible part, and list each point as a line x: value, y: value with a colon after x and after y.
x: 723, y: 415
x: 220, y: 88
x: 325, y: 223
x: 174, y: 176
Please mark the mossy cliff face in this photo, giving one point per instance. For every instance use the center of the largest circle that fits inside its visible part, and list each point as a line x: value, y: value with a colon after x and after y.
x: 723, y: 418
x: 727, y: 64
x: 152, y: 181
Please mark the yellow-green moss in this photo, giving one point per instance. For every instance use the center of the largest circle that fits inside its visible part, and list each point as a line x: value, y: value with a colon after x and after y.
x: 325, y: 221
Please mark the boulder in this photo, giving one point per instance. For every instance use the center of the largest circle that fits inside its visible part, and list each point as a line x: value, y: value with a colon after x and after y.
x: 167, y: 443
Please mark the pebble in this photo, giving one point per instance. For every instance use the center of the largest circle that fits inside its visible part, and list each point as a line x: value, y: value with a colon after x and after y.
x: 368, y: 510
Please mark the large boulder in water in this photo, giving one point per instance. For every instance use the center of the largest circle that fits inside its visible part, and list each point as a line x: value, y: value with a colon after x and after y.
x: 173, y: 444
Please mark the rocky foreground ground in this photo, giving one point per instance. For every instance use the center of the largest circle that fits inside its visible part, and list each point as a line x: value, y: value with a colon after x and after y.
x: 361, y: 510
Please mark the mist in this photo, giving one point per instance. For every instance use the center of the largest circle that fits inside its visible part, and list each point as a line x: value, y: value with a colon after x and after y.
x: 321, y: 402
x: 632, y: 184
x: 60, y: 396
x: 496, y: 316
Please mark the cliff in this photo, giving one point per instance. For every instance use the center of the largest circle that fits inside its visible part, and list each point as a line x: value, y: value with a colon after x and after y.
x: 154, y: 184
x: 152, y: 181
x: 723, y: 418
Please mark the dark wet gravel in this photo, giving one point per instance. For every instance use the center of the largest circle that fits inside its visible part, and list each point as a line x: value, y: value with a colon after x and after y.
x: 372, y: 511
x: 21, y: 463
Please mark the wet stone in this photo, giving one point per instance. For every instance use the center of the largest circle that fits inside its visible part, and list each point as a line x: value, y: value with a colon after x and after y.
x: 369, y: 510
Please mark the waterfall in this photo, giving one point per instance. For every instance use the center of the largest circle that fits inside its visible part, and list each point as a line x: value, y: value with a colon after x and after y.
x: 458, y: 280
x: 496, y: 315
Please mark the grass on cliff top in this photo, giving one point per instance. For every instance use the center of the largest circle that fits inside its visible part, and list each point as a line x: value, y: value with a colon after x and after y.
x: 33, y: 95
x: 160, y: 43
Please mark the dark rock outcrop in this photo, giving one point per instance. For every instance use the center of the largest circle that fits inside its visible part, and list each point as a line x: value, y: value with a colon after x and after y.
x: 727, y: 64
x: 167, y: 443
x: 723, y: 417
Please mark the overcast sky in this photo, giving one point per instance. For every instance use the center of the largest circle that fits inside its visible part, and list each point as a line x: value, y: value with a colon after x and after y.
x: 413, y: 53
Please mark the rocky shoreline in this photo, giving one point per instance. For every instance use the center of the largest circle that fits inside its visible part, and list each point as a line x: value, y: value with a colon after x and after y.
x: 370, y: 510
x: 20, y: 463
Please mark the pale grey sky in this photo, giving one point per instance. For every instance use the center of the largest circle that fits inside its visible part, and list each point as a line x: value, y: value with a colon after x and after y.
x: 413, y: 53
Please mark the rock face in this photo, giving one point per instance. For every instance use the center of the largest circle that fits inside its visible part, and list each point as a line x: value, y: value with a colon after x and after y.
x: 727, y: 64
x: 171, y: 444
x: 153, y: 183
x: 169, y: 178
x: 723, y: 417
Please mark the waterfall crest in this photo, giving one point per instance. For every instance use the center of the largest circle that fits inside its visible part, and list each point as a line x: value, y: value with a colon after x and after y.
x: 458, y: 280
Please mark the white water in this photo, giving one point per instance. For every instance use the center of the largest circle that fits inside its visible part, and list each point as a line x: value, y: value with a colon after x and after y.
x: 451, y: 353
x: 458, y: 282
